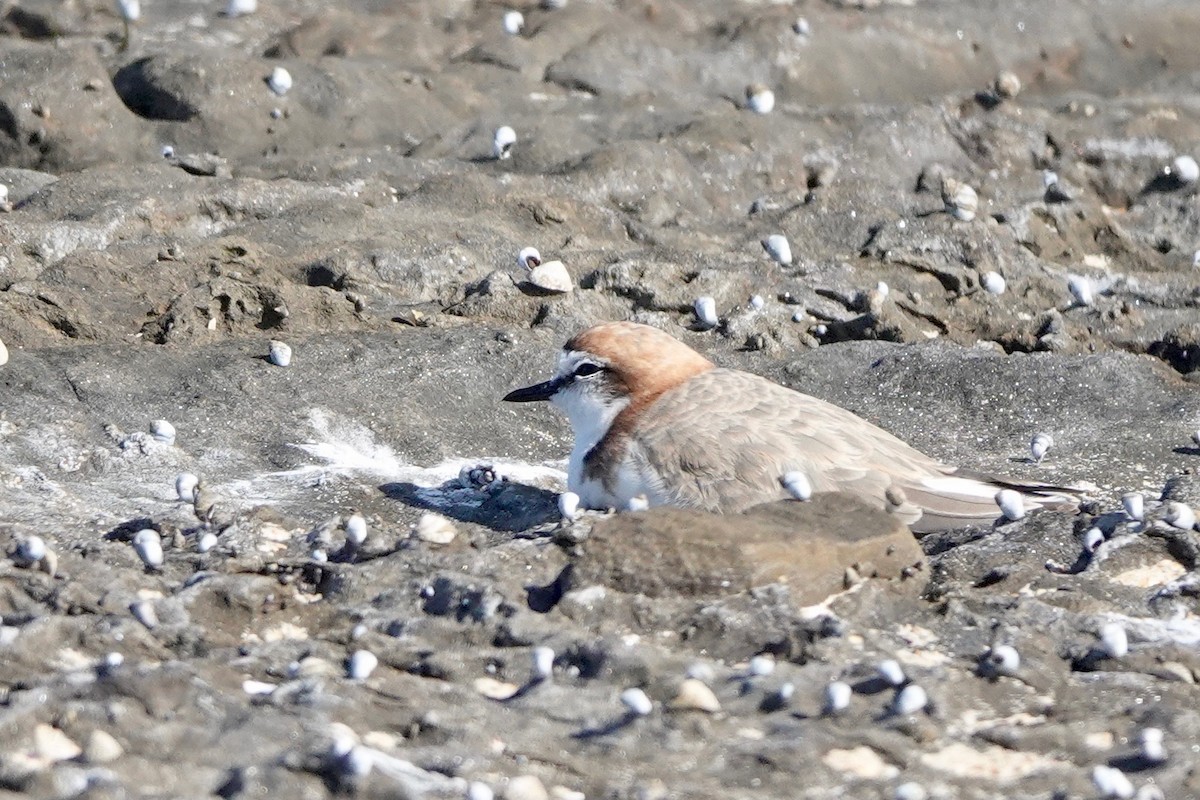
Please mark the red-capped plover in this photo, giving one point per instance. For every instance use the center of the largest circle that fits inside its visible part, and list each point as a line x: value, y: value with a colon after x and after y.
x: 656, y: 422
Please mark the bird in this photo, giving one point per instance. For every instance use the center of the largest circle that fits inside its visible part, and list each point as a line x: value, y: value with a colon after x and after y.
x: 656, y: 423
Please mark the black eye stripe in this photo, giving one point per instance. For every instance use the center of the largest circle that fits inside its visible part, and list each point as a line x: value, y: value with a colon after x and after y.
x: 587, y: 368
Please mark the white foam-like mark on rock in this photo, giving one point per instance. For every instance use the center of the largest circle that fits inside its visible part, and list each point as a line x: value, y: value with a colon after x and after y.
x: 345, y: 449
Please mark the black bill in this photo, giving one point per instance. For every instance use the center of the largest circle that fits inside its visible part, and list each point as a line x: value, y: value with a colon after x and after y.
x: 530, y: 394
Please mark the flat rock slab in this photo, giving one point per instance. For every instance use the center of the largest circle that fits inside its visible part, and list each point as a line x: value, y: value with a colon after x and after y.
x: 671, y: 552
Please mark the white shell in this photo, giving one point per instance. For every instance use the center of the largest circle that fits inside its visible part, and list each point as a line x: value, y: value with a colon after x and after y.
x: 778, y: 248
x: 280, y: 81
x: 801, y: 27
x: 1111, y: 782
x: 1151, y: 742
x: 883, y: 289
x: 554, y: 5
x: 757, y: 302
x: 1196, y: 438
x: 1080, y: 287
x: 1004, y: 659
x: 1012, y: 505
x: 513, y: 22
x: 1180, y: 515
x: 551, y: 276
x: 435, y: 529
x: 1007, y: 85
x: 961, y: 200
x: 1049, y: 178
x: 1134, y: 505
x: 143, y: 611
x: 1092, y: 539
x: 356, y: 529
x: 130, y: 10
x: 207, y: 542
x: 1185, y: 169
x: 529, y: 257
x: 797, y: 484
x: 637, y: 702
x: 761, y: 666
x: 993, y: 282
x: 185, y: 486
x: 149, y: 547
x: 638, y: 503
x: 3, y: 353
x: 568, y: 505
x: 760, y: 99
x: 543, y: 663
x: 362, y: 664
x: 32, y: 549
x: 910, y: 700
x: 837, y: 697
x: 477, y: 790
x: 3, y: 193
x: 694, y: 695
x: 1196, y: 259
x: 163, y: 431
x: 910, y: 791
x: 1150, y: 791
x: 239, y: 8
x: 258, y: 688
x: 1039, y: 445
x: 280, y: 353
x: 1113, y: 640
x: 706, y: 312
x: 502, y: 142
x: 891, y: 671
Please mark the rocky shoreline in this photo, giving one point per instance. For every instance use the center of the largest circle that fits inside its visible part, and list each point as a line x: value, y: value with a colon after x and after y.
x: 171, y: 213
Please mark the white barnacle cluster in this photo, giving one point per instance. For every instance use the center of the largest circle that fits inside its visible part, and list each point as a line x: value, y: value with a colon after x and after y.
x: 502, y: 142
x: 549, y: 276
x: 960, y: 200
x: 759, y: 98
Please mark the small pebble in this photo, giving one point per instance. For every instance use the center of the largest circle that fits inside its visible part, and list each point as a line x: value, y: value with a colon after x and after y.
x: 163, y: 431
x: 1185, y: 169
x: 1134, y: 506
x: 207, y: 541
x: 1003, y: 660
x: 280, y: 81
x: 910, y: 791
x: 356, y: 529
x: 1180, y: 515
x: 910, y: 700
x: 759, y: 98
x: 280, y: 353
x: 435, y: 529
x: 1012, y: 505
x: 637, y: 702
x: 757, y: 303
x: 143, y: 611
x: 148, y: 546
x: 1007, y: 85
x: 837, y: 697
x: 1039, y: 445
x: 477, y: 790
x: 240, y: 8
x: 513, y: 22
x: 762, y: 666
x: 961, y: 200
x: 502, y: 142
x: 1114, y: 642
x: 801, y: 27
x: 638, y: 503
x: 526, y: 787
x: 568, y: 506
x: 130, y: 10
x: 891, y: 671
x: 1111, y: 782
x: 778, y: 248
x: 1151, y: 742
x: 695, y: 695
x: 185, y: 486
x: 1092, y: 539
x: 32, y: 549
x: 796, y: 484
x: 1080, y: 287
x: 706, y: 312
x: 543, y: 663
x: 1150, y: 791
x: 362, y: 663
x: 3, y: 353
x: 701, y: 672
x: 102, y: 748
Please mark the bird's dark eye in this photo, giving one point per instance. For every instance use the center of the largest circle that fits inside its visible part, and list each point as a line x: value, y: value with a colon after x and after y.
x: 587, y: 368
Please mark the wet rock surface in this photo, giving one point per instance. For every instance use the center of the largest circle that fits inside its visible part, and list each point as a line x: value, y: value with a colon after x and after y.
x: 170, y: 214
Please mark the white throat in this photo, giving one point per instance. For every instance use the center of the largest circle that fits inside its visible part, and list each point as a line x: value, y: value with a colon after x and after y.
x: 590, y: 417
